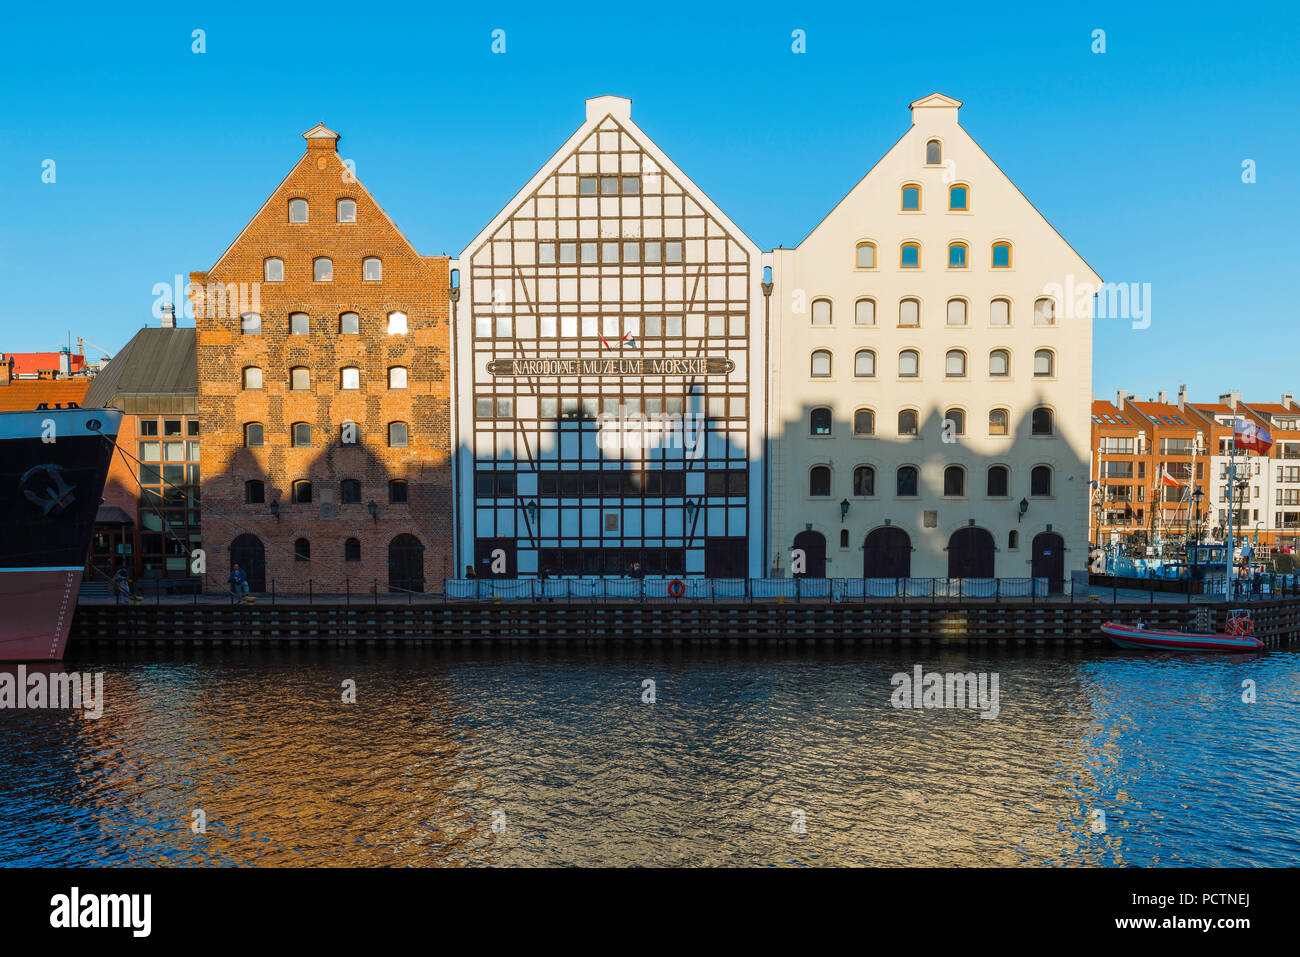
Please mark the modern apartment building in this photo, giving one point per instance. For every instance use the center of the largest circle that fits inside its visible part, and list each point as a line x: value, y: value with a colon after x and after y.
x: 610, y: 370
x: 324, y: 392
x: 931, y: 375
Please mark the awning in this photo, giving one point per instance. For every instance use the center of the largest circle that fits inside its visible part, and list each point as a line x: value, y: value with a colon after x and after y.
x: 112, y: 515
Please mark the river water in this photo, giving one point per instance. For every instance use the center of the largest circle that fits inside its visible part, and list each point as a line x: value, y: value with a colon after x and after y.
x: 777, y: 755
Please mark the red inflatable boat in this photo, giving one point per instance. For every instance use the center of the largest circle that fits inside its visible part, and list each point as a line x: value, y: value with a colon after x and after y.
x: 1239, y: 636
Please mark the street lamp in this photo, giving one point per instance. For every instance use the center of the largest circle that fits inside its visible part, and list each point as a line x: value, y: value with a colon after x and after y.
x: 844, y: 509
x: 275, y: 510
x: 531, y: 508
x: 692, y: 507
x: 373, y: 508
x: 1024, y: 507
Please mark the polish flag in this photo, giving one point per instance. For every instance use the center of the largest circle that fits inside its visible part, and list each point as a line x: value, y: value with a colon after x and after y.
x: 1167, y: 479
x: 1251, y: 437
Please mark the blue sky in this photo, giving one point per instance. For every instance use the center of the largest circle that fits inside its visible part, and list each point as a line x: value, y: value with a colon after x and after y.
x: 1135, y: 155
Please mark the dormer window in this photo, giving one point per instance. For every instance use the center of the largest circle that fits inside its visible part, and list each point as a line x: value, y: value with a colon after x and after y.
x: 297, y: 210
x: 347, y: 210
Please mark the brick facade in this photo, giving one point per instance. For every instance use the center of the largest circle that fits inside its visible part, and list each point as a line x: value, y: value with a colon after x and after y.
x: 415, y: 285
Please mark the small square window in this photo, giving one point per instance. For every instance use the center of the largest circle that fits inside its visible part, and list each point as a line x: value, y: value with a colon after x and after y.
x: 587, y: 185
x: 347, y: 211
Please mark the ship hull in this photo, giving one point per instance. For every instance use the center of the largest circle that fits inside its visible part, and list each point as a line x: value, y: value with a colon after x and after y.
x: 53, y: 465
x: 39, y: 604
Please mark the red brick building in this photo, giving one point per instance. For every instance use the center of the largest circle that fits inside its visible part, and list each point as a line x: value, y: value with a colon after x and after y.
x: 324, y: 392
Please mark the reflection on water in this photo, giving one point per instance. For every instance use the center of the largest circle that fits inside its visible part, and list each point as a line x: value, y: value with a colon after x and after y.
x: 711, y: 773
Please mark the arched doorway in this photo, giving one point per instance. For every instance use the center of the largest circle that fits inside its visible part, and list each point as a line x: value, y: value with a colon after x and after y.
x: 248, y: 553
x: 887, y: 553
x: 970, y: 553
x: 1049, y: 561
x: 813, y: 545
x: 405, y: 564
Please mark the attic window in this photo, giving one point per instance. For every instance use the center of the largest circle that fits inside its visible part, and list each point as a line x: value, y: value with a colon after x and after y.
x: 373, y: 269
x: 297, y: 210
x: 933, y: 153
x: 347, y: 210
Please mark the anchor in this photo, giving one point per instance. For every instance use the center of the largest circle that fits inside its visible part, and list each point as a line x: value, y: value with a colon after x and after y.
x: 56, y: 497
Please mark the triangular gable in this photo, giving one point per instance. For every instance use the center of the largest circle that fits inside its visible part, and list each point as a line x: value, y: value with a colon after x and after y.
x: 607, y: 113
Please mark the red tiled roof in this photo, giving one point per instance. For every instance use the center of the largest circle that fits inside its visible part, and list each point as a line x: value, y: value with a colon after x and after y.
x: 30, y: 363
x: 24, y: 395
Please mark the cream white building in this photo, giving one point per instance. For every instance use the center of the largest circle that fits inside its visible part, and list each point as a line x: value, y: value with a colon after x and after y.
x: 931, y: 375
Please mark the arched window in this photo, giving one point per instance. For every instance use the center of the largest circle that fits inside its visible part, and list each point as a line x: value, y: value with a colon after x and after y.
x: 844, y: 538
x: 1041, y: 421
x: 1001, y: 256
x: 302, y: 550
x: 864, y: 312
x: 297, y: 210
x: 998, y: 422
x: 349, y: 324
x: 864, y: 480
x: 299, y: 378
x: 252, y: 377
x: 347, y: 210
x: 909, y: 256
x: 864, y: 422
x: 1043, y: 362
x: 250, y: 324
x: 909, y: 363
x: 954, y: 363
x: 958, y: 419
x: 933, y: 153
x: 322, y: 269
x: 397, y: 435
x: 372, y: 269
x: 864, y: 363
x: 957, y: 255
x: 958, y: 198
x: 819, y: 422
x: 1000, y: 312
x: 397, y: 492
x: 821, y: 312
x: 352, y: 550
x: 254, y: 492
x: 397, y: 377
x: 273, y: 270
x: 1013, y: 539
x: 909, y: 312
x: 866, y: 256
x: 300, y: 435
x: 253, y: 435
x: 397, y: 323
x: 999, y: 481
x: 821, y: 363
x: 349, y: 433
x: 907, y: 423
x: 907, y: 481
x: 1040, y: 481
x: 301, y: 492
x: 819, y: 481
x: 911, y: 197
x: 999, y: 362
x: 349, y: 377
x: 954, y: 481
x: 956, y: 312
x: 350, y: 492
x: 299, y: 324
x: 1045, y: 312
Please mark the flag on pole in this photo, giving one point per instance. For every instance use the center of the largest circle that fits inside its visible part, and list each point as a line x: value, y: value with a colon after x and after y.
x: 1167, y: 479
x: 1251, y: 436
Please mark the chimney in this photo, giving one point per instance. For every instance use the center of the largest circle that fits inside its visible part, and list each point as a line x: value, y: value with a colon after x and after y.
x: 169, y: 316
x: 65, y: 363
x: 1162, y: 397
x: 321, y: 137
x: 1182, y: 396
x: 1230, y: 399
x: 6, y: 368
x: 1120, y: 398
x: 1288, y: 400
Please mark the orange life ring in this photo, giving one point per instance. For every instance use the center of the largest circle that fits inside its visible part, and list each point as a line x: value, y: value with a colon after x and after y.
x: 676, y: 588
